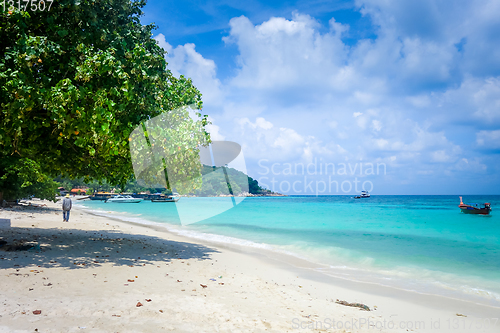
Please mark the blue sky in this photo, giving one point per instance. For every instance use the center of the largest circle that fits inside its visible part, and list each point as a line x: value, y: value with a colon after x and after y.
x: 411, y: 85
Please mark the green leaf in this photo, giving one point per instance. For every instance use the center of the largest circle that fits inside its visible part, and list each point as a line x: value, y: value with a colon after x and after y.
x: 83, y: 89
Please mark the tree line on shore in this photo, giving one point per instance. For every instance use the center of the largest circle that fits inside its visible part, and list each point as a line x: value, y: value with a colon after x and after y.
x: 213, y: 184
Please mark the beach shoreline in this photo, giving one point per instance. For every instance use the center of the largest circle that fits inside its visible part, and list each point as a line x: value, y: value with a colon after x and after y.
x: 252, y: 291
x: 250, y: 232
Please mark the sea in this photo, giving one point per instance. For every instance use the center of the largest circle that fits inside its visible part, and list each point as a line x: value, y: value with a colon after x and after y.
x: 421, y: 244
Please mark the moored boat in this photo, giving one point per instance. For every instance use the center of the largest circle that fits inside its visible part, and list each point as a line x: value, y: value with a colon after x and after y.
x: 103, y: 196
x: 364, y: 194
x: 98, y: 197
x: 475, y: 208
x: 124, y: 199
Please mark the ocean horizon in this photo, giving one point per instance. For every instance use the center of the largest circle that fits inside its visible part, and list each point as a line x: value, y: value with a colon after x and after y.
x: 418, y: 243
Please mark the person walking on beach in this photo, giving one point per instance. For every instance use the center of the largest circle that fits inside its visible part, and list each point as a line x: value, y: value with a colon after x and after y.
x: 66, y: 206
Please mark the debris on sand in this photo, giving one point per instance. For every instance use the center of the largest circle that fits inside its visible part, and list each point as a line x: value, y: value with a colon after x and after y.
x: 356, y: 305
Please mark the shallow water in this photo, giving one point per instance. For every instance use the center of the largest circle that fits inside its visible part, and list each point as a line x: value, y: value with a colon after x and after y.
x: 420, y: 243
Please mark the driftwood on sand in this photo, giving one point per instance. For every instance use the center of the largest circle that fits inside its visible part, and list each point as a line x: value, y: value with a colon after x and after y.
x: 357, y: 305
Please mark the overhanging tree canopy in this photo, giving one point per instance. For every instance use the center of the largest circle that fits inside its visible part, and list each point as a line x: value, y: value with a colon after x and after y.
x: 75, y: 81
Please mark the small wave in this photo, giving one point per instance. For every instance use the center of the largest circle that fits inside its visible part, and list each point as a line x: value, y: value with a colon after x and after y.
x: 360, y: 268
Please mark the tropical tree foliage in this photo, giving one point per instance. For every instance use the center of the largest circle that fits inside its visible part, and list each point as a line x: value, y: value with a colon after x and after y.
x: 75, y: 81
x: 23, y: 177
x: 165, y: 151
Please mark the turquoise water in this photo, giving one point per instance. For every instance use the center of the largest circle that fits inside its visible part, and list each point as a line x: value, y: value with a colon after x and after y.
x: 420, y: 243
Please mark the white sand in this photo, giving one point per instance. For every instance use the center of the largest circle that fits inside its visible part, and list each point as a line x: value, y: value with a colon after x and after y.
x: 79, y: 280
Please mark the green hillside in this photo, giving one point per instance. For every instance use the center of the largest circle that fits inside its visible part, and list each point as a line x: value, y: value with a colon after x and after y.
x: 214, y: 182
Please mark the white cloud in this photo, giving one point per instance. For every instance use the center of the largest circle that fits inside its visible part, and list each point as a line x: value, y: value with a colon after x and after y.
x: 440, y: 156
x: 488, y: 139
x: 282, y: 53
x: 487, y: 99
x: 186, y: 61
x: 362, y: 121
x: 381, y: 143
x: 259, y: 123
x: 263, y: 140
x: 376, y: 125
x: 467, y: 165
x: 439, y: 35
x: 288, y: 139
x: 214, y: 131
x: 413, y: 97
x: 476, y: 99
x: 419, y: 101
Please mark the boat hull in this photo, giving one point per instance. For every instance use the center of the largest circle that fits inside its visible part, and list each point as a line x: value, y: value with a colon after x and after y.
x: 164, y: 200
x: 480, y: 211
x: 98, y: 198
x: 124, y: 199
x: 473, y: 210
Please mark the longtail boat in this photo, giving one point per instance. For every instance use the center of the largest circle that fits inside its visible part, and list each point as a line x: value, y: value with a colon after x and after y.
x: 475, y: 208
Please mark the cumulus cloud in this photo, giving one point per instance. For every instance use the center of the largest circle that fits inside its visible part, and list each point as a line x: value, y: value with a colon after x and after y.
x: 214, y: 130
x: 184, y: 60
x: 489, y: 139
x: 263, y: 140
x: 475, y: 166
x: 417, y: 96
x: 425, y: 41
x: 281, y: 53
x: 475, y: 101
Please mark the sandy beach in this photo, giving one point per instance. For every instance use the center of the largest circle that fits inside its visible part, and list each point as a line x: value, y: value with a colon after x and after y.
x: 96, y: 274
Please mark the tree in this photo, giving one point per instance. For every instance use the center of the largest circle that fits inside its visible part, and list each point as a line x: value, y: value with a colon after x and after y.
x: 74, y: 83
x: 23, y: 178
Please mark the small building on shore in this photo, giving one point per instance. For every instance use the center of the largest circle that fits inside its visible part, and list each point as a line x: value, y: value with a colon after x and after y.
x: 79, y: 191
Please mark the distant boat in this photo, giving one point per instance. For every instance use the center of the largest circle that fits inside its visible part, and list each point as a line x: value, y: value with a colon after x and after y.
x: 364, y: 194
x: 124, y: 199
x: 103, y: 196
x: 474, y: 208
x: 171, y: 198
x: 98, y: 197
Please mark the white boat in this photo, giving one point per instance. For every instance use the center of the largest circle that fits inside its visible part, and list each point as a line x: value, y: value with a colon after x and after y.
x: 124, y: 199
x: 364, y: 194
